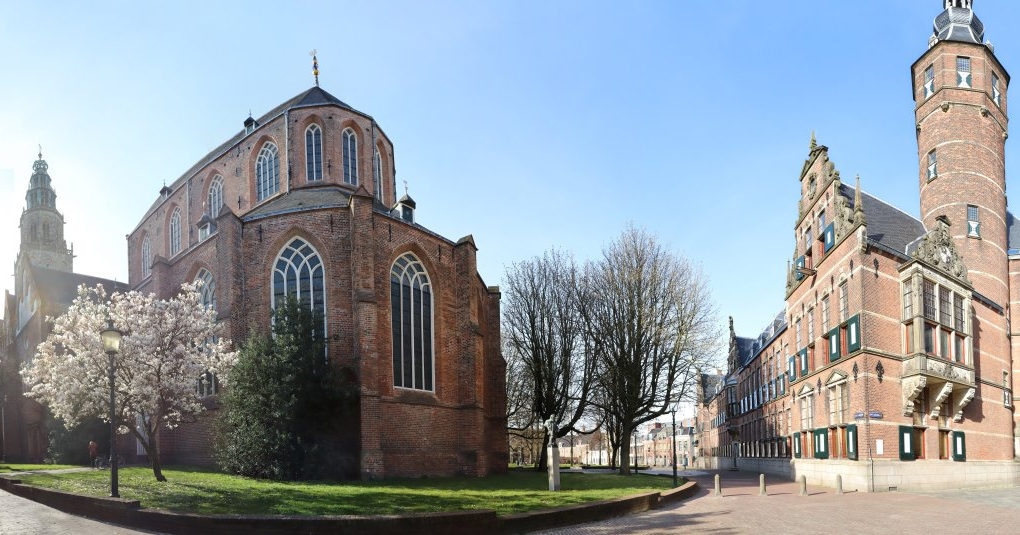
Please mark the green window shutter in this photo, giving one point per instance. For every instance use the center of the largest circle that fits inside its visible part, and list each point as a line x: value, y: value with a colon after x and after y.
x: 830, y: 237
x: 791, y: 368
x: 853, y: 334
x: 959, y: 446
x: 851, y: 442
x: 803, y: 362
x: 834, y: 345
x: 796, y: 445
x: 907, y: 452
x: 821, y: 443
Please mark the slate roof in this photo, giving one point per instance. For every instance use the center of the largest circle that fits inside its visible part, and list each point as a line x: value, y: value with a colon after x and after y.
x: 711, y: 384
x: 745, y: 350
x: 62, y: 287
x: 301, y: 200
x: 888, y: 226
x: 315, y: 96
x: 959, y: 24
x: 1012, y: 234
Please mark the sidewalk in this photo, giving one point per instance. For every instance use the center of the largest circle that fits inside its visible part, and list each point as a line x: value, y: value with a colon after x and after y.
x: 741, y: 510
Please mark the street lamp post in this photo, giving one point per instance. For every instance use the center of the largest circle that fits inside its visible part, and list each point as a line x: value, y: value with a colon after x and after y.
x: 674, y: 447
x: 111, y: 345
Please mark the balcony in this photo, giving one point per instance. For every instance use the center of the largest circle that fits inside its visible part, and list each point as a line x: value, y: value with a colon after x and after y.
x: 941, y: 376
x: 938, y: 370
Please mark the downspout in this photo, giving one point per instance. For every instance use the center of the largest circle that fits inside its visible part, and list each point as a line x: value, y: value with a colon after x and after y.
x: 286, y: 141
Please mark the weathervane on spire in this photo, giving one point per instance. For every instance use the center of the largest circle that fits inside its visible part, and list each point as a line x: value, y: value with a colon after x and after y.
x: 315, y: 65
x: 405, y: 187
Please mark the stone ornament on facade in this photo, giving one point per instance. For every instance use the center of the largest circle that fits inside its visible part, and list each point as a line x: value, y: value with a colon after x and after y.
x: 937, y: 250
x: 912, y: 387
x: 937, y: 403
x: 958, y: 417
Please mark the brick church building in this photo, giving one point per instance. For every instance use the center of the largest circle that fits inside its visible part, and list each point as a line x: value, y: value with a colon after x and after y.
x: 893, y: 362
x: 303, y: 202
x: 44, y: 285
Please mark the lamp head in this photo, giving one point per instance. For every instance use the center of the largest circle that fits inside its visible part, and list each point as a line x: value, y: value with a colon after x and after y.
x: 111, y: 337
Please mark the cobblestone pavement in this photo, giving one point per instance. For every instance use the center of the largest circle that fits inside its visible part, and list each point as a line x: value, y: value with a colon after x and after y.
x: 741, y: 510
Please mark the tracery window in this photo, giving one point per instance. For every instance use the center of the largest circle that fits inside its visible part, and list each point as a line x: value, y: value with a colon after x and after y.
x: 146, y: 257
x: 175, y: 232
x: 411, y: 311
x: 215, y: 199
x: 377, y: 173
x: 207, y: 383
x: 350, y: 156
x: 267, y: 172
x: 313, y: 152
x: 298, y: 272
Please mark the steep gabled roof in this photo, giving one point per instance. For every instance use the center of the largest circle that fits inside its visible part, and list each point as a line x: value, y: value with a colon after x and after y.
x: 888, y: 226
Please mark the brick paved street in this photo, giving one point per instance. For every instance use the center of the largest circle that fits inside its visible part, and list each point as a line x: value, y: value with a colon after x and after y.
x: 783, y: 511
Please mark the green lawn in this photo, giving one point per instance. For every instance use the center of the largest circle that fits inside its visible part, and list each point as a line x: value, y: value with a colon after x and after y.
x: 7, y: 468
x: 196, y: 491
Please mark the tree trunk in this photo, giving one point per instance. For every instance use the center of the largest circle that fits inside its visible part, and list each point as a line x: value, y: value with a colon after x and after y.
x: 152, y: 449
x: 625, y: 458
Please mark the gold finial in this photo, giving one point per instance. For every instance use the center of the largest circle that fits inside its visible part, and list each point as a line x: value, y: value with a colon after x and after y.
x: 315, y: 65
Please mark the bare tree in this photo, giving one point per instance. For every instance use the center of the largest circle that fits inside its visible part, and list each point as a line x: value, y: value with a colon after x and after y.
x: 652, y: 325
x: 543, y: 327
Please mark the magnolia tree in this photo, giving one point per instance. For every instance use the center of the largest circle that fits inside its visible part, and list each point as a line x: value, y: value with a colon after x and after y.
x: 167, y: 346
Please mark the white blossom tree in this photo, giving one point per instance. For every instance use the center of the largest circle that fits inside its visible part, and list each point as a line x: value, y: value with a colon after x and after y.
x: 167, y: 345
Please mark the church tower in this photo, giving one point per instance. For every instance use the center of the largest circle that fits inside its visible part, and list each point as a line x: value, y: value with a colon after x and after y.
x: 960, y: 95
x: 42, y: 226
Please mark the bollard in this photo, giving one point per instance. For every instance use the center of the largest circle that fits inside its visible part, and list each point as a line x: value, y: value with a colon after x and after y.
x: 718, y: 486
x: 803, y: 485
x: 839, y: 484
x: 761, y: 485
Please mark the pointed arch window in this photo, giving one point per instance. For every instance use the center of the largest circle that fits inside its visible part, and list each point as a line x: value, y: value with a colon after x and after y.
x: 215, y: 199
x: 267, y: 172
x: 207, y: 293
x: 350, y: 148
x: 175, y: 232
x: 146, y: 257
x: 313, y: 152
x: 411, y: 312
x: 298, y: 272
x: 377, y: 173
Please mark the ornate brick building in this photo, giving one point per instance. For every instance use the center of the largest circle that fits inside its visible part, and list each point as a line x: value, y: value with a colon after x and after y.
x: 894, y: 360
x: 304, y: 202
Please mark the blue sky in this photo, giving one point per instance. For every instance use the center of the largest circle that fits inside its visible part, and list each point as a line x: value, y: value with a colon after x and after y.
x: 528, y: 124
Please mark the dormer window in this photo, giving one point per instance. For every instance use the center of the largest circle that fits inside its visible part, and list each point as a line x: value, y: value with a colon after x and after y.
x: 250, y: 125
x: 405, y: 209
x: 206, y: 227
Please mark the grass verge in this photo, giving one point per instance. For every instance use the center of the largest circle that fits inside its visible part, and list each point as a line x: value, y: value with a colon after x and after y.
x: 8, y: 468
x: 197, y: 491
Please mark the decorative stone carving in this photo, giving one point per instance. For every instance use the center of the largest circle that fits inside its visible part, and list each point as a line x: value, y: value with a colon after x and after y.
x: 937, y: 403
x: 937, y: 250
x: 912, y: 388
x: 843, y: 216
x: 963, y: 403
